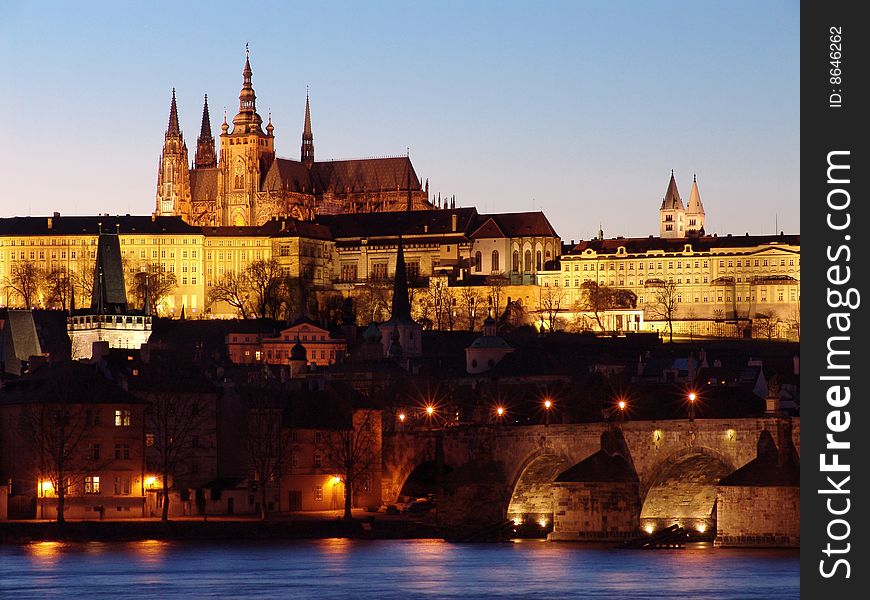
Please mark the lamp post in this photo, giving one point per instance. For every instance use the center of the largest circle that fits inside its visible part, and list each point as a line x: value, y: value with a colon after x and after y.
x: 548, y: 404
x: 692, y: 398
x: 499, y: 414
x: 622, y: 407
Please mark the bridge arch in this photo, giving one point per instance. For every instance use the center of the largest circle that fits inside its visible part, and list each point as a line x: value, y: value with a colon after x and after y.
x: 681, y: 489
x: 531, y: 492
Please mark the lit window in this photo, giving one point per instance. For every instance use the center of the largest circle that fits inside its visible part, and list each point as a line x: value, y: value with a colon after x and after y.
x: 122, y: 418
x: 92, y: 484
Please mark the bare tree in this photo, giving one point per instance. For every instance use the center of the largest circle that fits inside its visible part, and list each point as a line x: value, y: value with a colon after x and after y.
x: 664, y: 304
x: 264, y: 279
x: 470, y: 300
x: 373, y: 301
x: 58, y: 287
x: 266, y: 442
x: 82, y: 276
x: 25, y: 279
x: 496, y: 285
x: 598, y: 299
x: 551, y: 304
x: 766, y: 324
x: 354, y: 451
x: 172, y: 417
x: 159, y: 283
x: 232, y: 288
x: 59, y: 429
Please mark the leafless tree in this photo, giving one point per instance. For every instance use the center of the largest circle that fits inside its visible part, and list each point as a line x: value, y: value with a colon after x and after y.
x: 354, y: 450
x: 159, y: 283
x: 373, y: 301
x: 496, y: 285
x: 59, y: 431
x: 664, y: 303
x: 264, y: 278
x: 470, y: 301
x: 58, y: 287
x: 234, y: 289
x: 82, y: 276
x: 551, y: 304
x: 598, y: 299
x: 766, y: 324
x: 266, y: 441
x: 172, y: 417
x: 25, y: 279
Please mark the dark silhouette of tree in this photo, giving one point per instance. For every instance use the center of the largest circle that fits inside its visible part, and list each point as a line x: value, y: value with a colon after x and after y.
x: 598, y: 299
x: 58, y: 287
x: 234, y: 289
x: 159, y: 283
x: 266, y: 440
x: 25, y: 279
x: 354, y: 451
x: 664, y: 303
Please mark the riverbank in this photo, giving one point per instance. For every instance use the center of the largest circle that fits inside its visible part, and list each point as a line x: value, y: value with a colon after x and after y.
x: 21, y: 532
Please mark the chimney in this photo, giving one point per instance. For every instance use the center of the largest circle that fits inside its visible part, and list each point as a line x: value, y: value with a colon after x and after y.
x: 454, y: 221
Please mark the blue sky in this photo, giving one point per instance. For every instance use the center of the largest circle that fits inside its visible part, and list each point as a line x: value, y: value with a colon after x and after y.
x: 577, y: 108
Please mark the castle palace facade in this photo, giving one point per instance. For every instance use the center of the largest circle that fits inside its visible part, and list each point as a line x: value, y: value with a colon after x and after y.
x: 246, y: 184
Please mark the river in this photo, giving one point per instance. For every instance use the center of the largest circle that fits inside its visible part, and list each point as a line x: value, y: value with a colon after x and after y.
x: 341, y: 568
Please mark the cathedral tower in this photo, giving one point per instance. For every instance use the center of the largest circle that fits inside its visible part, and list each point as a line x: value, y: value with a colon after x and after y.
x: 672, y: 213
x: 307, y: 137
x: 205, y: 157
x: 173, y: 173
x: 695, y: 211
x: 246, y: 154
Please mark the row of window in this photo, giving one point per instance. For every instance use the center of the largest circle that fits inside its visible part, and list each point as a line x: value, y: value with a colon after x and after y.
x: 758, y: 262
x: 122, y: 451
x: 121, y: 485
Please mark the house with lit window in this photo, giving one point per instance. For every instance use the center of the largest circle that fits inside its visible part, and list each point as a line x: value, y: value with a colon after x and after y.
x: 321, y: 348
x: 97, y: 423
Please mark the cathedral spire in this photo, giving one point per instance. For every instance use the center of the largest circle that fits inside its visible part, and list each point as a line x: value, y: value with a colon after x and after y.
x: 173, y: 129
x: 247, y: 119
x: 307, y: 136
x: 401, y: 302
x: 205, y: 155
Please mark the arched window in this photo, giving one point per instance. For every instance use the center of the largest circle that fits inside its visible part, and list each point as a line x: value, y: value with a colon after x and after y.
x: 528, y: 261
x: 515, y: 266
x: 538, y: 261
x: 478, y: 261
x: 495, y: 267
x: 239, y: 174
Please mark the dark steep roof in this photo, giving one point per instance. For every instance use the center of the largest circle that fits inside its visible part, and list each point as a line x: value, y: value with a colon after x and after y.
x: 367, y: 174
x: 698, y: 244
x: 518, y: 224
x: 203, y: 184
x: 405, y: 223
x: 65, y: 383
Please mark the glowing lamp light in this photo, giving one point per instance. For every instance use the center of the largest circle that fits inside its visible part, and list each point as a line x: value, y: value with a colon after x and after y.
x: 47, y: 487
x: 548, y: 404
x: 702, y: 528
x: 500, y: 411
x: 542, y: 522
x: 430, y: 410
x: 649, y: 529
x: 150, y: 481
x: 335, y: 480
x: 517, y: 521
x: 402, y: 417
x: 692, y: 396
x: 622, y: 405
x: 731, y: 434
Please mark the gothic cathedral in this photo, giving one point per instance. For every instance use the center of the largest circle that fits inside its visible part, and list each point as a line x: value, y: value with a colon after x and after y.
x: 247, y: 184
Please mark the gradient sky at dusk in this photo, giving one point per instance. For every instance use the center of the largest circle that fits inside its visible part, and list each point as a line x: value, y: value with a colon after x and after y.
x: 577, y: 108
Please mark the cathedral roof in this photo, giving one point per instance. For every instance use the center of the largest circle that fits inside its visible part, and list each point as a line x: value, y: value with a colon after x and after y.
x: 204, y: 184
x: 290, y: 175
x: 364, y: 175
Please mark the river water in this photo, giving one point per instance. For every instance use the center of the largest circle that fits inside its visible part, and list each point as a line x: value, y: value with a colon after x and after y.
x: 339, y: 568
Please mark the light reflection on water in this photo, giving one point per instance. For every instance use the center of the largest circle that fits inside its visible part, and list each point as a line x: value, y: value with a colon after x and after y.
x: 339, y: 568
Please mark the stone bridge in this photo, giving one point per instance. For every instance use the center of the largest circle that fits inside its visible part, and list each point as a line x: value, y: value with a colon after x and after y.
x: 509, y: 471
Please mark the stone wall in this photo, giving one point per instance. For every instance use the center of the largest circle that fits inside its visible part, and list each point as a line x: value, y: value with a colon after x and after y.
x: 758, y: 516
x: 595, y: 510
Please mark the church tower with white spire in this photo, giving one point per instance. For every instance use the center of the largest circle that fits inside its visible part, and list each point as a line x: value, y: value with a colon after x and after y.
x: 695, y: 211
